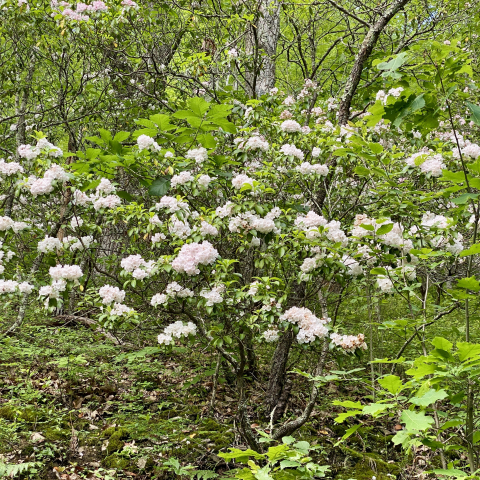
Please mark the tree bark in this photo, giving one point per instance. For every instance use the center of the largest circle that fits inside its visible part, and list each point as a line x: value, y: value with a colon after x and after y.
x: 263, y: 37
x: 365, y: 50
x: 277, y: 378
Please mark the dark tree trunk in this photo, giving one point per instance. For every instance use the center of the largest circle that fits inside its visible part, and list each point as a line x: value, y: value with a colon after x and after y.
x: 277, y: 378
x: 365, y: 50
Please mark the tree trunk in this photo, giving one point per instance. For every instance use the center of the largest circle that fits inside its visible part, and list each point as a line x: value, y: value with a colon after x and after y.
x: 277, y: 378
x: 365, y: 50
x: 263, y: 37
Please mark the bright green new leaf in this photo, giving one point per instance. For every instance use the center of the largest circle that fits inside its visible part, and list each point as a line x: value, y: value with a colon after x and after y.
x: 417, y: 421
x: 392, y: 383
x: 468, y: 350
x: 469, y: 283
x: 442, y: 344
x: 429, y: 397
x: 473, y: 250
x: 375, y: 408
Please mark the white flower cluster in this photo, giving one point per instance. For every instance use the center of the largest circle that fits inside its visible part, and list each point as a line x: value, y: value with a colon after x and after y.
x: 158, y: 237
x: 207, y: 229
x: 214, y: 295
x: 192, y: 255
x: 43, y: 146
x: 251, y: 221
x: 311, y: 327
x: 349, y: 343
x: 307, y: 168
x: 7, y: 223
x: 354, y: 269
x: 5, y: 256
x: 200, y: 155
x: 65, y: 272
x: 240, y: 180
x: 224, y: 211
x: 121, y: 310
x: 174, y: 289
x: 204, y: 180
x: 179, y: 228
x: 137, y: 266
x: 81, y: 243
x: 177, y: 330
x: 385, y: 284
x: 270, y: 335
x: 10, y: 168
x: 394, y: 92
x: 432, y: 164
x: 172, y: 204
x: 181, y: 179
x: 256, y: 142
x: 110, y: 294
x: 145, y: 142
x: 290, y: 126
x: 292, y: 150
x: 43, y: 186
x: 310, y: 223
x: 11, y: 286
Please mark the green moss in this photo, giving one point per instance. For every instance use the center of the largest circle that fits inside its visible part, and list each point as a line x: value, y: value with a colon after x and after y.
x: 369, y: 464
x: 116, y: 438
x: 220, y: 435
x: 7, y: 412
x: 55, y: 434
x: 29, y: 415
x: 113, y: 461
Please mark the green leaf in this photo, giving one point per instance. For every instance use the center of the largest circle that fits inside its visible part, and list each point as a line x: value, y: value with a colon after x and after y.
x: 375, y: 408
x: 378, y: 271
x: 416, y: 421
x: 455, y: 177
x: 469, y: 283
x: 464, y: 198
x: 198, y: 105
x: 473, y: 250
x: 467, y: 350
x: 375, y: 148
x: 393, y: 64
x: 362, y: 171
x: 105, y: 134
x: 125, y: 195
x: 416, y: 104
x: 160, y: 186
x: 442, y: 344
x: 288, y: 440
x: 241, y: 455
x: 429, y: 397
x: 162, y: 121
x: 385, y: 229
x: 121, y: 136
x: 475, y: 113
x: 392, y: 383
x: 451, y: 472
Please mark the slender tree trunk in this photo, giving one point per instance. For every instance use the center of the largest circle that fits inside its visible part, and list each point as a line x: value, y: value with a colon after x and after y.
x: 261, y: 43
x: 365, y: 50
x: 277, y: 378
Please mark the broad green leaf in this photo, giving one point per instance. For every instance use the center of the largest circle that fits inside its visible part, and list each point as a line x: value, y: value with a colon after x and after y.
x: 160, y: 186
x: 263, y: 473
x: 375, y: 408
x: 429, y: 397
x: 343, y: 416
x: 375, y: 147
x: 244, y: 473
x: 125, y: 195
x: 469, y: 283
x: 198, y: 105
x: 278, y: 452
x: 362, y: 171
x: 288, y: 440
x: 451, y: 472
x: 378, y: 271
x: 146, y: 123
x: 393, y: 64
x: 442, y: 344
x: 303, y: 447
x: 467, y: 350
x: 421, y: 370
x: 121, y: 136
x: 417, y: 421
x: 475, y: 113
x: 163, y: 122
x: 465, y: 198
x: 241, y: 455
x: 392, y: 383
x: 473, y: 250
x: 385, y: 229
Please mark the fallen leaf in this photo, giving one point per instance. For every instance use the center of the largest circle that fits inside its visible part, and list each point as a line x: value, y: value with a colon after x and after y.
x: 37, y: 437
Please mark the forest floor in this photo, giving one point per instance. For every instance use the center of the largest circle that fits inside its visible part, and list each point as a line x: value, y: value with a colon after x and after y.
x: 81, y: 407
